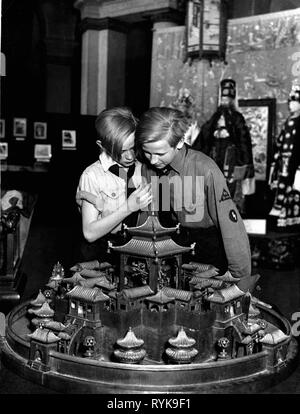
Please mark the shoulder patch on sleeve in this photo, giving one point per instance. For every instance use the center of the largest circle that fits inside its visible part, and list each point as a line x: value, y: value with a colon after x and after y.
x: 233, y: 216
x: 225, y: 195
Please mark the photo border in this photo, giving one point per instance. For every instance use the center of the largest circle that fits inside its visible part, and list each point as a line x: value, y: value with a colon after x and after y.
x: 2, y: 129
x: 71, y: 145
x: 41, y: 147
x: 270, y: 103
x: 24, y: 133
x: 35, y: 125
x: 4, y: 145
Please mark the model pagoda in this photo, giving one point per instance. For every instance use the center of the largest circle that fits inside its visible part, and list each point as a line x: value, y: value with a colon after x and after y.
x: 154, y: 297
x: 152, y: 254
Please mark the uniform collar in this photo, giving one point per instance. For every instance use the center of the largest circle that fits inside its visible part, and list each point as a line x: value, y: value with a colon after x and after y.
x: 106, y: 161
x: 178, y: 161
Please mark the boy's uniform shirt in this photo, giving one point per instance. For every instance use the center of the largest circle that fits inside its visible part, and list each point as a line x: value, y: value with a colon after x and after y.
x: 109, y: 188
x: 204, y: 202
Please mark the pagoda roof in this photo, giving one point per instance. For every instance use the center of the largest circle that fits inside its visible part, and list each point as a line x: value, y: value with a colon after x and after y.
x: 74, y: 279
x: 227, y: 277
x: 130, y: 340
x: 44, y: 311
x: 39, y: 300
x: 200, y: 283
x: 150, y: 227
x: 104, y: 283
x: 91, y: 282
x: 182, y: 340
x: 92, y: 273
x: 92, y: 264
x: 87, y: 294
x: 54, y: 325
x: 52, y: 284
x: 151, y: 248
x: 225, y: 295
x: 183, y: 295
x: 200, y: 267
x: 160, y: 297
x: 44, y: 335
x: 137, y: 292
x: 64, y: 335
x: 273, y: 338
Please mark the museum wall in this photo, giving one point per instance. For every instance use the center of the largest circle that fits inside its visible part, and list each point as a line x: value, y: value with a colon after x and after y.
x: 262, y: 56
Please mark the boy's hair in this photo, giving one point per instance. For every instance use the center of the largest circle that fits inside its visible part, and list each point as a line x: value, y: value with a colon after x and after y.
x: 113, y: 127
x: 161, y: 123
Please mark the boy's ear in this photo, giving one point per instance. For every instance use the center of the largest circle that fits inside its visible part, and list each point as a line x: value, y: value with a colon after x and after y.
x: 180, y: 144
x: 98, y: 142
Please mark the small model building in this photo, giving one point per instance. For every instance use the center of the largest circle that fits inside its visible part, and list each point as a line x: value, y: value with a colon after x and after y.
x: 157, y: 325
x: 156, y: 310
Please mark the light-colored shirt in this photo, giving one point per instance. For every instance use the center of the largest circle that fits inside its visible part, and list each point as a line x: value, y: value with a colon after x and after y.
x: 109, y: 189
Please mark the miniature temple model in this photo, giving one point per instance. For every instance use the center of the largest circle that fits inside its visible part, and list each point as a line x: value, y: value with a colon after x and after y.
x: 155, y: 313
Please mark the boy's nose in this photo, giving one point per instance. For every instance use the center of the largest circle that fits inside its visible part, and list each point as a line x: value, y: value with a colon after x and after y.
x: 153, y: 159
x: 130, y: 155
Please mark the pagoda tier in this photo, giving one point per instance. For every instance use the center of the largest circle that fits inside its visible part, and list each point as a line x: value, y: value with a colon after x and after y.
x: 151, y: 227
x: 87, y: 294
x: 44, y: 335
x: 152, y: 243
x: 140, y: 247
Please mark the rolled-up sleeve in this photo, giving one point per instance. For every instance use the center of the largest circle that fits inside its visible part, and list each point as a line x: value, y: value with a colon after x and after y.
x: 226, y: 217
x: 87, y: 184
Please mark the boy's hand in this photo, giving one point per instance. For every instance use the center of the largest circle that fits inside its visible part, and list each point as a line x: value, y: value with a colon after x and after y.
x: 140, y: 198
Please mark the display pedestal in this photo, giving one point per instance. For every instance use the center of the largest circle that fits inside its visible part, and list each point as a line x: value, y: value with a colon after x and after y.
x: 277, y: 250
x: 11, y: 289
x: 14, y: 233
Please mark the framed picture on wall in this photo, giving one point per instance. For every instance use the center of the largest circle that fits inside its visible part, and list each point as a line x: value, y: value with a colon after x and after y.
x: 40, y: 130
x: 2, y: 128
x: 42, y: 152
x: 260, y: 118
x: 3, y: 150
x: 20, y: 127
x: 69, y: 139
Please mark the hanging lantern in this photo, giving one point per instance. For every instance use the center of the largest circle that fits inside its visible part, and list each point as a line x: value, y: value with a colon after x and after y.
x: 206, y: 28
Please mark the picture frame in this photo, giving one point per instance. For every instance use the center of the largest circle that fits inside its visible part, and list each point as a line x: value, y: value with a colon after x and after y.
x: 20, y: 127
x: 69, y: 139
x: 2, y: 128
x: 260, y: 118
x: 3, y: 150
x: 42, y: 152
x: 40, y: 130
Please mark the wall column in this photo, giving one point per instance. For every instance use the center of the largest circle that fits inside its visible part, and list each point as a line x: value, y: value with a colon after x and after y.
x: 102, y: 64
x: 161, y: 21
